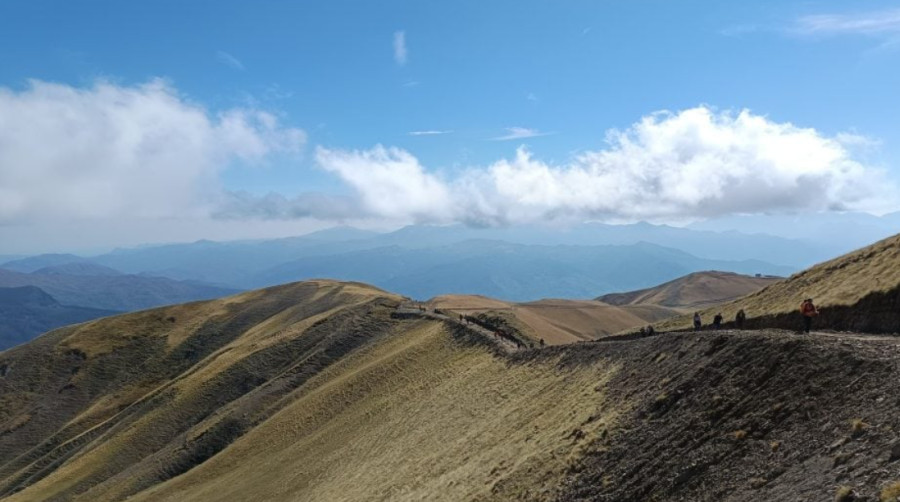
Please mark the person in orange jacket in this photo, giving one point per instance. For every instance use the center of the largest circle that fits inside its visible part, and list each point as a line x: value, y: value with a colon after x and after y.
x: 808, y: 310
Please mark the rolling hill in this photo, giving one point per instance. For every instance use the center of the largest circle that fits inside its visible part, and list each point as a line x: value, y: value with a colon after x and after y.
x: 318, y: 391
x: 696, y: 290
x: 27, y: 311
x: 556, y: 321
x: 859, y: 291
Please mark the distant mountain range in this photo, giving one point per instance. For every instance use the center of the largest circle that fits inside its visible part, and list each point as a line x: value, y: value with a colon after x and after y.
x: 27, y: 311
x: 93, y: 286
x: 515, y: 263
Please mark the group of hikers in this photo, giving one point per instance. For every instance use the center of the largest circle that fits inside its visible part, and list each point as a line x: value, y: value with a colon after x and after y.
x: 808, y: 311
x: 739, y: 319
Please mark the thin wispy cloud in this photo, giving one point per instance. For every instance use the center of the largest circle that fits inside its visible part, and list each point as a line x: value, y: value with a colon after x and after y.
x: 400, y: 47
x: 883, y: 22
x: 411, y: 83
x: 229, y: 60
x: 520, y: 133
x: 532, y: 97
x: 428, y: 133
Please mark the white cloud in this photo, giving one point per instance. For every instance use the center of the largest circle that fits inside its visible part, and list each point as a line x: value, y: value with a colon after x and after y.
x: 520, y: 133
x: 400, y: 47
x: 866, y: 23
x: 143, y: 151
x: 229, y: 60
x: 692, y: 164
x: 390, y: 183
x: 428, y: 133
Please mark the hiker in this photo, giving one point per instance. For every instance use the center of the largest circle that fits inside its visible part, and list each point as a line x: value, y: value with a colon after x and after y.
x: 650, y: 331
x: 739, y: 319
x: 697, y: 323
x: 717, y: 321
x: 542, y: 342
x: 808, y: 310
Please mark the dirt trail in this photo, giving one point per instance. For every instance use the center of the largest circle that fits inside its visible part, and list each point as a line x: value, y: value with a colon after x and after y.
x: 411, y: 310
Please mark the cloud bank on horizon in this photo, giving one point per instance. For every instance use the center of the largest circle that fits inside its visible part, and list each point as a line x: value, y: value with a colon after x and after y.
x: 118, y: 151
x: 669, y: 166
x: 145, y: 151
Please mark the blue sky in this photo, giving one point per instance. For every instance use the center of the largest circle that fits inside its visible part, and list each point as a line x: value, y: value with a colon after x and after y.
x: 554, y: 77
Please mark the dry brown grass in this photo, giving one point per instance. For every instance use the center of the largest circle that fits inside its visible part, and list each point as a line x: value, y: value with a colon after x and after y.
x: 843, y: 494
x: 841, y: 281
x: 694, y: 291
x: 857, y: 426
x: 413, y: 418
x: 559, y: 321
x: 891, y: 492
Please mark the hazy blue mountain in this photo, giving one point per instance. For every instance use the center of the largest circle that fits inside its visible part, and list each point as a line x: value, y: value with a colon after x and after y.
x: 27, y: 311
x: 510, y: 271
x: 32, y: 263
x: 833, y: 233
x: 78, y: 268
x: 113, y: 292
x: 720, y: 245
x: 241, y: 263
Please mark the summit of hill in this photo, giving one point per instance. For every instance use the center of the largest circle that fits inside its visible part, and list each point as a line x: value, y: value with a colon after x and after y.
x: 695, y: 290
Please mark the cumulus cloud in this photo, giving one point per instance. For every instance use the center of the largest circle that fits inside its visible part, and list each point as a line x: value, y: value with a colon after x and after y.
x: 520, y: 133
x: 390, y: 183
x: 400, y: 47
x: 692, y: 164
x: 121, y: 151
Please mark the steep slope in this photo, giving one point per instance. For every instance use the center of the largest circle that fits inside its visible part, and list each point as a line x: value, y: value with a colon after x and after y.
x: 28, y: 311
x: 696, y: 290
x: 859, y: 291
x: 110, y: 291
x: 317, y: 391
x: 556, y: 321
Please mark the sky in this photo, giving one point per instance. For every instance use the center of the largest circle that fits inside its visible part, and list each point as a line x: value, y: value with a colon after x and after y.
x: 123, y: 123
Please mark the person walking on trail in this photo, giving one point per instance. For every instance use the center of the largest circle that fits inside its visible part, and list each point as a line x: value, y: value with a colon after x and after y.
x: 542, y: 342
x: 697, y: 323
x: 739, y: 319
x: 650, y: 331
x: 808, y: 310
x: 717, y: 321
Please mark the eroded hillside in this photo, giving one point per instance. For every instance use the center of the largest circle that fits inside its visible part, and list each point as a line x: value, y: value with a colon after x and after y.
x: 317, y: 391
x: 859, y: 291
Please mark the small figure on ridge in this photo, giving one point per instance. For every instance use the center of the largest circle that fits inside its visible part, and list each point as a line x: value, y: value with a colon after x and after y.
x: 808, y: 310
x: 740, y: 318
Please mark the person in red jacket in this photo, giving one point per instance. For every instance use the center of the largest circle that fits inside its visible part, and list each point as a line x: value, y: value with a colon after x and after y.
x: 808, y: 310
